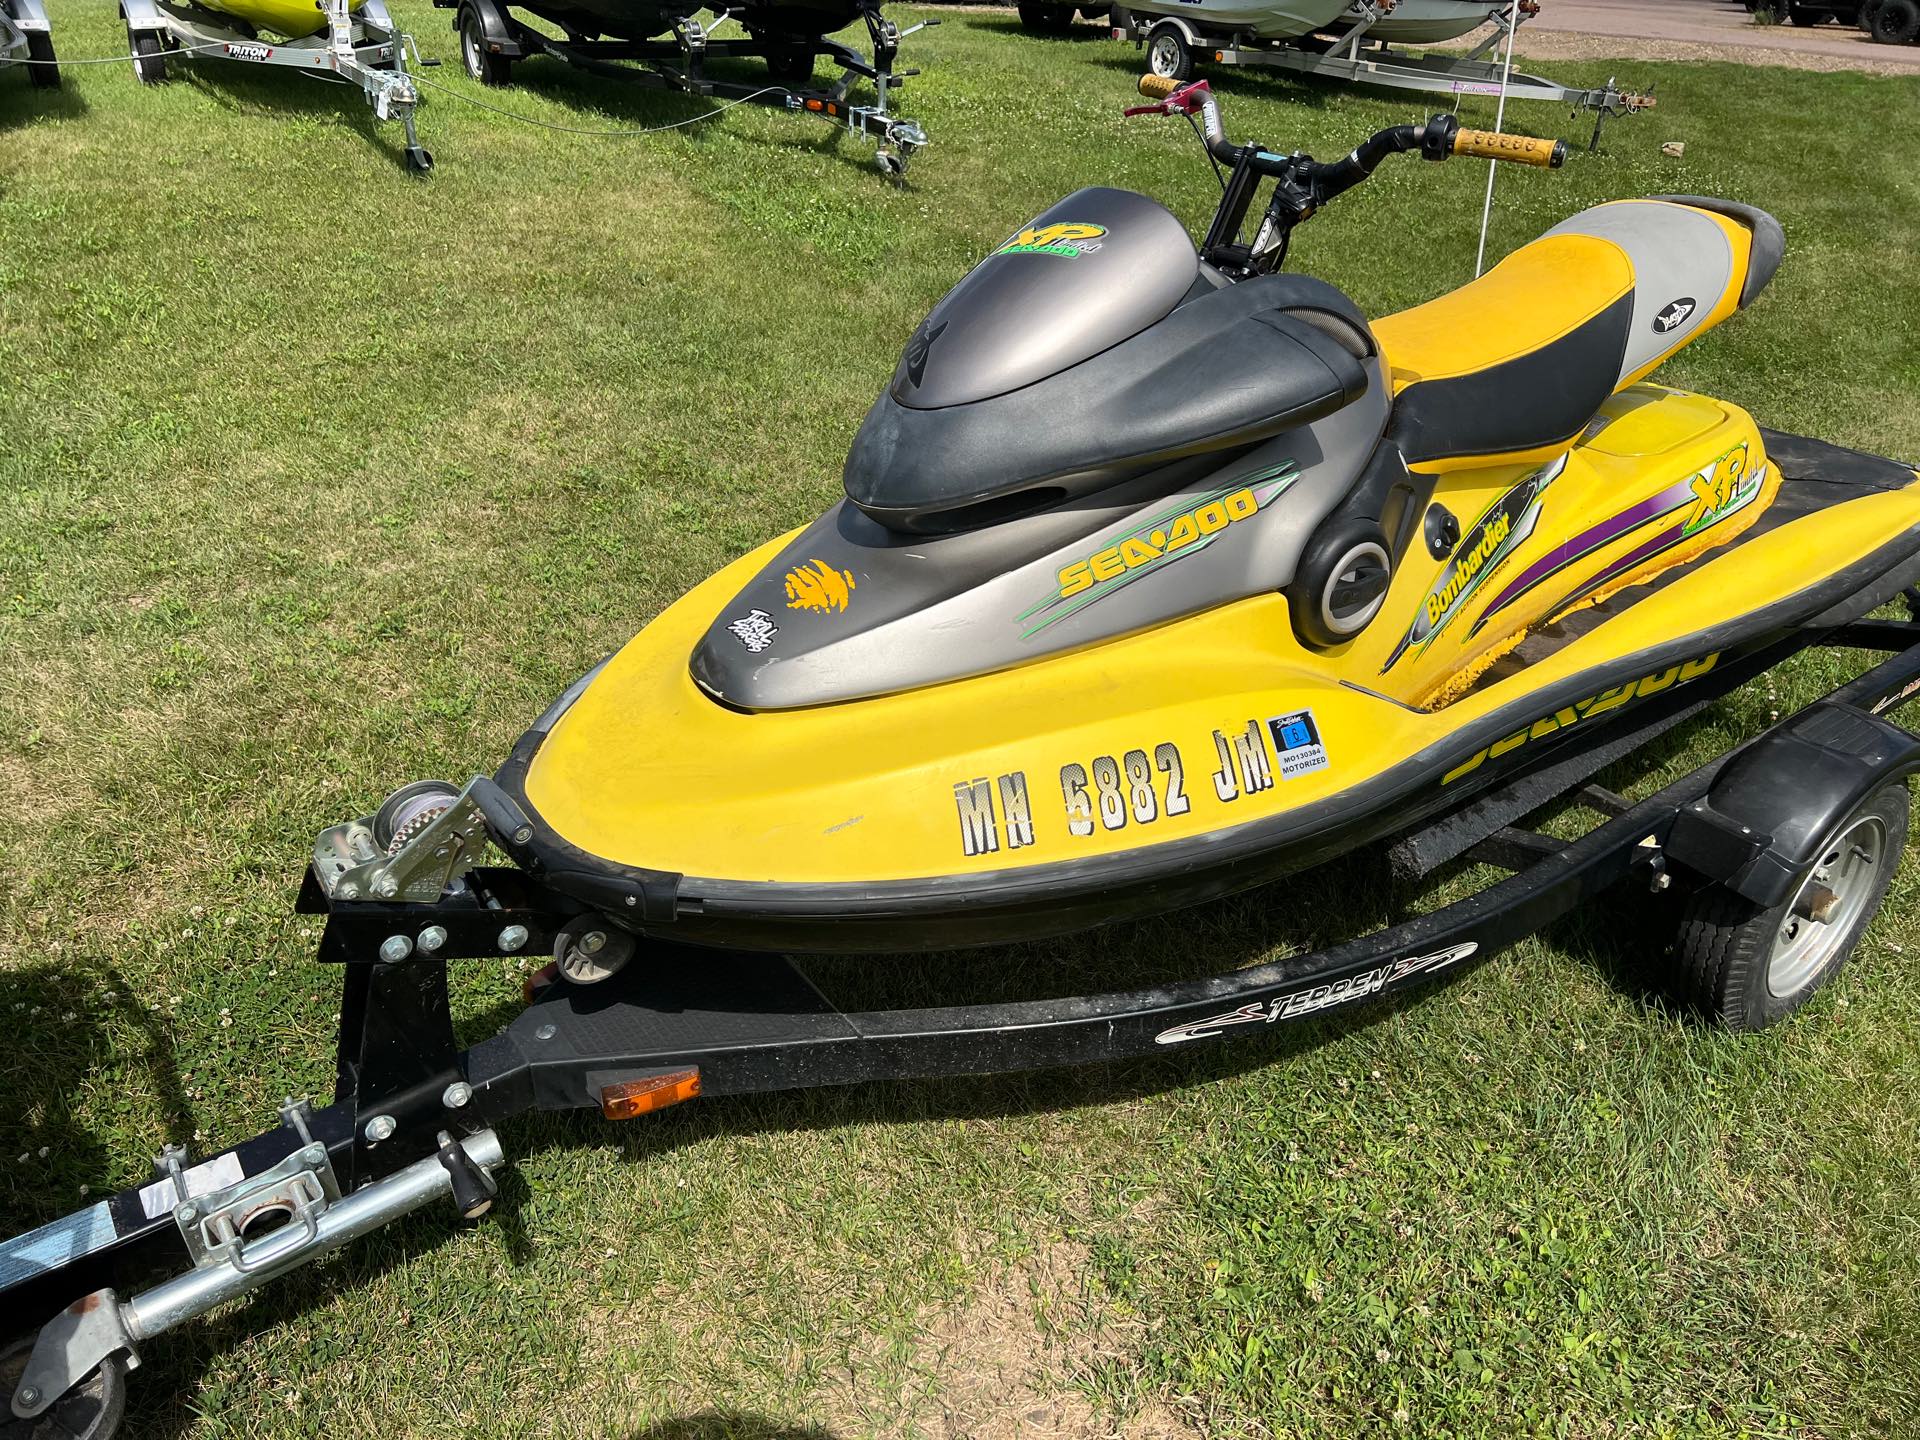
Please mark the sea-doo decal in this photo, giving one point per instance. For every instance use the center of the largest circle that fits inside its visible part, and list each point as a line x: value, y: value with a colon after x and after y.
x: 1501, y: 530
x: 920, y: 347
x: 755, y: 630
x: 1069, y: 239
x: 816, y: 585
x: 1319, y: 997
x: 1296, y: 740
x: 980, y: 827
x: 1673, y: 315
x: 1186, y: 528
x: 1582, y: 710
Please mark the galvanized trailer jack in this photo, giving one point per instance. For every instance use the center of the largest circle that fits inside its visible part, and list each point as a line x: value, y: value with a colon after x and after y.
x: 628, y: 1025
x: 492, y: 38
x: 362, y: 48
x: 1175, y: 45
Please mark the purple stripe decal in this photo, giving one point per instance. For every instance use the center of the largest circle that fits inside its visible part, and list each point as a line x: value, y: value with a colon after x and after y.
x: 1662, y: 541
x: 1568, y: 551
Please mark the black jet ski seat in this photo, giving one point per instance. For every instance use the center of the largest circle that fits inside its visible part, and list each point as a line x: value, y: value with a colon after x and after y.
x: 1513, y: 365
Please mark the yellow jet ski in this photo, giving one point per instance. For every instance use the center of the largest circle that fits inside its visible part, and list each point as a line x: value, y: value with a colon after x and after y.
x: 292, y: 19
x: 1161, y: 572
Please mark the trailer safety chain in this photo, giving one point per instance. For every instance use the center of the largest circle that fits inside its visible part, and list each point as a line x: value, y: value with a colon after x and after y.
x: 580, y: 130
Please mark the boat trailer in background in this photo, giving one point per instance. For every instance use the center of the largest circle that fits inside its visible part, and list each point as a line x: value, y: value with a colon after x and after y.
x: 1176, y: 46
x: 492, y: 37
x: 360, y: 47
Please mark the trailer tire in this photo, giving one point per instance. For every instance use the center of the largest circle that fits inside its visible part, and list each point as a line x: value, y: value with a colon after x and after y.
x: 43, y: 66
x: 149, y: 65
x: 1044, y: 19
x: 480, y: 63
x: 1168, y: 54
x: 1895, y: 22
x: 89, y: 1411
x: 1747, y: 966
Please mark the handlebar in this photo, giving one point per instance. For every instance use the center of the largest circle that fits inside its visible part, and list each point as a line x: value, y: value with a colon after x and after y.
x: 1438, y: 139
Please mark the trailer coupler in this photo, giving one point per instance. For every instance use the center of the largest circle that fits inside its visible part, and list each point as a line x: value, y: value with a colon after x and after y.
x: 308, y: 1216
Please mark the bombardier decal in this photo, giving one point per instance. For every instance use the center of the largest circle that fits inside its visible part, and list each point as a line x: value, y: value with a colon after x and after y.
x: 1497, y: 534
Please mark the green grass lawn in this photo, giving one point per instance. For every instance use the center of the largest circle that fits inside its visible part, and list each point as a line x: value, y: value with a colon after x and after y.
x: 318, y: 478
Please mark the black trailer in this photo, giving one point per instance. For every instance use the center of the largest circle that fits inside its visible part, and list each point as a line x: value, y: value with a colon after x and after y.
x: 492, y: 38
x: 1794, y: 834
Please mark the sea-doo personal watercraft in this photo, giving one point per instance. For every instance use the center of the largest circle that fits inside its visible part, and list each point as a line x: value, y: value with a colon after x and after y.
x: 1160, y: 572
x: 673, y: 43
x: 27, y: 39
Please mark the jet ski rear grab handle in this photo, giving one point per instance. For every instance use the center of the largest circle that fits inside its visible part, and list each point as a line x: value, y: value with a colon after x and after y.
x: 412, y: 1121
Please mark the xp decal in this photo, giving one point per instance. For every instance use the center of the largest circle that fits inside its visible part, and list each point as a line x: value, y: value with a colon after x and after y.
x: 1591, y: 708
x: 1319, y: 997
x: 1069, y: 239
x: 816, y: 585
x: 1708, y: 496
x: 755, y: 630
x: 1186, y: 528
x: 1495, y: 535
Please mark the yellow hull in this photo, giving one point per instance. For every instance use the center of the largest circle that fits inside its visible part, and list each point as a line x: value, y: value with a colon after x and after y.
x: 295, y: 19
x: 1209, y: 724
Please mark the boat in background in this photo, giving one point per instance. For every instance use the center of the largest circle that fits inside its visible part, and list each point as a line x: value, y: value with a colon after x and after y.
x: 1431, y: 22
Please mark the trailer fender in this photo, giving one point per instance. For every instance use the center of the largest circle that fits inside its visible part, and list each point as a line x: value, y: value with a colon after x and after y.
x: 29, y: 17
x: 1770, y: 810
x: 495, y: 26
x: 1187, y: 32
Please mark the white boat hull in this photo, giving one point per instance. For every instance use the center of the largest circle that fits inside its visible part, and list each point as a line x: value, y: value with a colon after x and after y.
x: 1273, y: 20
x: 1429, y: 22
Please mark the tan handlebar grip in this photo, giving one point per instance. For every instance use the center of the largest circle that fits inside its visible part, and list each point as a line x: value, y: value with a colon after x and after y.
x: 1522, y: 149
x: 1157, y: 87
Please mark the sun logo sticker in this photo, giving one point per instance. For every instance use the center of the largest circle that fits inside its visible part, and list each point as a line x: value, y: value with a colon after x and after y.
x: 818, y: 586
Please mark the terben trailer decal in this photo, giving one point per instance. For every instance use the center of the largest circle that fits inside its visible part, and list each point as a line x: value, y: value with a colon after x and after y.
x: 1318, y: 997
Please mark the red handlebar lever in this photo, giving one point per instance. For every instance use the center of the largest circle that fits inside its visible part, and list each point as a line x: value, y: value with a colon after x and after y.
x: 1184, y: 100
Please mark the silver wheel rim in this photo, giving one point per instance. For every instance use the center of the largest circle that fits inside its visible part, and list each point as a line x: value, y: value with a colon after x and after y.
x: 1848, y: 869
x: 475, y: 64
x: 1165, y: 57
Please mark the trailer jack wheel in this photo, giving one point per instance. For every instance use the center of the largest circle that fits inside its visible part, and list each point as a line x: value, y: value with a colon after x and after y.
x: 91, y: 1410
x: 149, y: 65
x: 1749, y: 966
x: 419, y: 159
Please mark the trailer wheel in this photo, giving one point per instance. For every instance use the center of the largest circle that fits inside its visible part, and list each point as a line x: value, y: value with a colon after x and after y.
x: 1749, y: 966
x: 1044, y: 19
x: 43, y: 66
x: 1895, y: 22
x: 1168, y: 54
x: 149, y: 65
x: 481, y: 63
x: 89, y: 1411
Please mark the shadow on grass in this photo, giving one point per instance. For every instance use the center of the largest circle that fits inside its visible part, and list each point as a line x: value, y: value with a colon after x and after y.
x: 729, y: 1425
x: 241, y: 88
x: 22, y: 103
